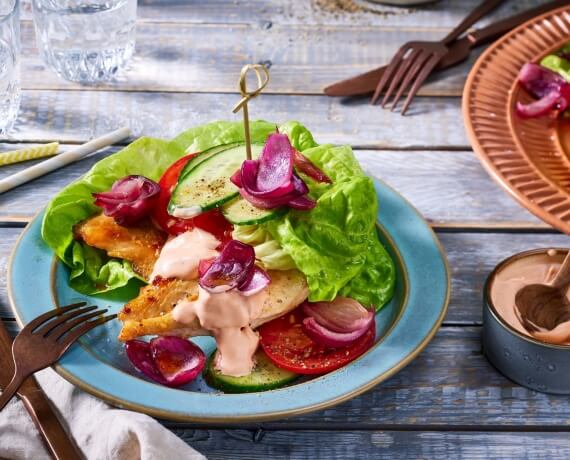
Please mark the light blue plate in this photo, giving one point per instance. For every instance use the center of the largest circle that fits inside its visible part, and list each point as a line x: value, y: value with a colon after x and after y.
x: 37, y: 283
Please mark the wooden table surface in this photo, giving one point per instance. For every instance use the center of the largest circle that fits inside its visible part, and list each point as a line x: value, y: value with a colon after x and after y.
x: 450, y: 402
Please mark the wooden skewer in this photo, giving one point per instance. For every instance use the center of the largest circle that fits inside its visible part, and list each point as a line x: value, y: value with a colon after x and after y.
x: 247, y: 95
x: 62, y: 159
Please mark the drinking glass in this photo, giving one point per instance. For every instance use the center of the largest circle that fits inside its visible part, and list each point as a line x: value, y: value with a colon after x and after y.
x: 86, y: 41
x: 9, y: 63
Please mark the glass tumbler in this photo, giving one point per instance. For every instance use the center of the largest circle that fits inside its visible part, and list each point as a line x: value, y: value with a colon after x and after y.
x: 9, y: 63
x: 85, y: 41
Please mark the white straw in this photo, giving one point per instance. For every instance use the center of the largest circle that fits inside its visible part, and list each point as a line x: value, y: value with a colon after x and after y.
x: 62, y: 159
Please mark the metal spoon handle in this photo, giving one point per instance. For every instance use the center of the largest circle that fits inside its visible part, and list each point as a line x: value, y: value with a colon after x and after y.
x: 562, y: 278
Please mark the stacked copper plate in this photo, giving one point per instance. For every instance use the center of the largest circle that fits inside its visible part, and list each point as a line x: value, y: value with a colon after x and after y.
x: 530, y: 158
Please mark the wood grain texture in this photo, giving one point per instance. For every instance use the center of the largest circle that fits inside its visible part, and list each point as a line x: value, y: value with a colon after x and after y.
x: 422, y: 177
x: 208, y: 58
x: 450, y: 382
x: 449, y: 386
x: 432, y: 123
x: 471, y: 257
x: 446, y: 13
x: 189, y: 53
x: 305, y: 445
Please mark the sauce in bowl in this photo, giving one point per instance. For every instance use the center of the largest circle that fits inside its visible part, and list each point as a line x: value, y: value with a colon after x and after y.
x: 532, y: 268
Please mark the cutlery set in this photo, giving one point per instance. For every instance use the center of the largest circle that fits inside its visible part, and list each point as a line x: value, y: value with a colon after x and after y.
x: 40, y: 344
x: 429, y: 57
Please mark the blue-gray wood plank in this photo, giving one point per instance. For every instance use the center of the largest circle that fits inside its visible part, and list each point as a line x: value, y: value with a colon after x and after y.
x: 448, y: 403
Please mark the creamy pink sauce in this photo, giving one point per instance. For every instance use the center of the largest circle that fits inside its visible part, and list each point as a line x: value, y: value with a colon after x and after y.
x: 181, y: 255
x: 539, y: 268
x: 228, y: 316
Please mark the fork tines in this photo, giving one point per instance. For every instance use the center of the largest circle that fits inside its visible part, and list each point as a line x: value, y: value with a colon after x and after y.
x: 57, y: 323
x: 411, y: 65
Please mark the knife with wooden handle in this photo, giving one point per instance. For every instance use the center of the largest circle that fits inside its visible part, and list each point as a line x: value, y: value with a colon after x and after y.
x: 458, y: 51
x: 58, y: 442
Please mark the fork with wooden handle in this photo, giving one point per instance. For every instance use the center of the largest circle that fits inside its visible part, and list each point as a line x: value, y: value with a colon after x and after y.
x: 415, y: 60
x: 44, y: 340
x: 44, y: 415
x: 366, y: 82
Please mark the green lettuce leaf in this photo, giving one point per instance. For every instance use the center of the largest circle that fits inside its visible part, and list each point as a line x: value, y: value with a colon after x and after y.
x: 92, y: 271
x: 336, y: 245
x: 557, y: 63
x: 268, y: 252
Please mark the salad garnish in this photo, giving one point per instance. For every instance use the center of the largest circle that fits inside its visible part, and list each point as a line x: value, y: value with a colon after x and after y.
x: 341, y: 315
x: 307, y: 167
x: 130, y: 199
x: 168, y: 360
x: 339, y: 323
x: 205, y: 273
x: 549, y: 83
x: 211, y: 221
x: 233, y: 268
x: 271, y: 182
x: 287, y: 344
x: 552, y: 91
x: 257, y: 283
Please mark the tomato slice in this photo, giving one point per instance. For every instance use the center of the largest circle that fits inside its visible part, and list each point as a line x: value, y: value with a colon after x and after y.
x: 211, y: 221
x: 284, y: 341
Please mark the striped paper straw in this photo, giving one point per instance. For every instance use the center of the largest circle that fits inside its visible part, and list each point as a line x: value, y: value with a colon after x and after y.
x: 32, y: 153
x: 62, y: 159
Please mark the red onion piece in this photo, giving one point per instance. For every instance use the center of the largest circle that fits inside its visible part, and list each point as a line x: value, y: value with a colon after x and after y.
x: 203, y: 266
x: 140, y: 356
x: 299, y: 186
x: 538, y: 80
x: 260, y: 280
x: 270, y: 182
x: 302, y: 203
x: 306, y: 166
x: 552, y: 91
x: 341, y: 315
x: 129, y: 200
x: 275, y: 165
x: 268, y: 203
x: 542, y: 107
x: 293, y: 199
x: 236, y: 179
x: 262, y: 203
x: 178, y: 360
x: 233, y: 266
x: 328, y: 338
x: 248, y: 179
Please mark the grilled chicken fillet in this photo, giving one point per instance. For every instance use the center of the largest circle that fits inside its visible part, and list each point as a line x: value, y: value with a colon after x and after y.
x: 151, y: 312
x: 139, y: 245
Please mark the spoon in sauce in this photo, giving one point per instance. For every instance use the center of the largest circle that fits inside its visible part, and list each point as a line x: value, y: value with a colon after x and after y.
x: 545, y: 306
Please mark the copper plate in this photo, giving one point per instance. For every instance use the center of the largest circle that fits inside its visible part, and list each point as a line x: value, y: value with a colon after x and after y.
x: 529, y: 158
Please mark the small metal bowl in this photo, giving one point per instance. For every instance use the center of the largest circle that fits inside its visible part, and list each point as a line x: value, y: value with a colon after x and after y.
x: 527, y: 361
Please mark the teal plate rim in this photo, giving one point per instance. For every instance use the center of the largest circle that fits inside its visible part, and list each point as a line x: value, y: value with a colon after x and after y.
x: 426, y: 302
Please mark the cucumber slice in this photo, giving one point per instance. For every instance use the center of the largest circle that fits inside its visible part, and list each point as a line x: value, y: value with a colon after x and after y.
x: 203, y: 156
x: 265, y: 376
x: 242, y: 212
x: 207, y: 185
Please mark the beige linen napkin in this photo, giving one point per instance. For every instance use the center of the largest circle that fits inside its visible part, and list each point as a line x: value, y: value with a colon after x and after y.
x: 101, y: 431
